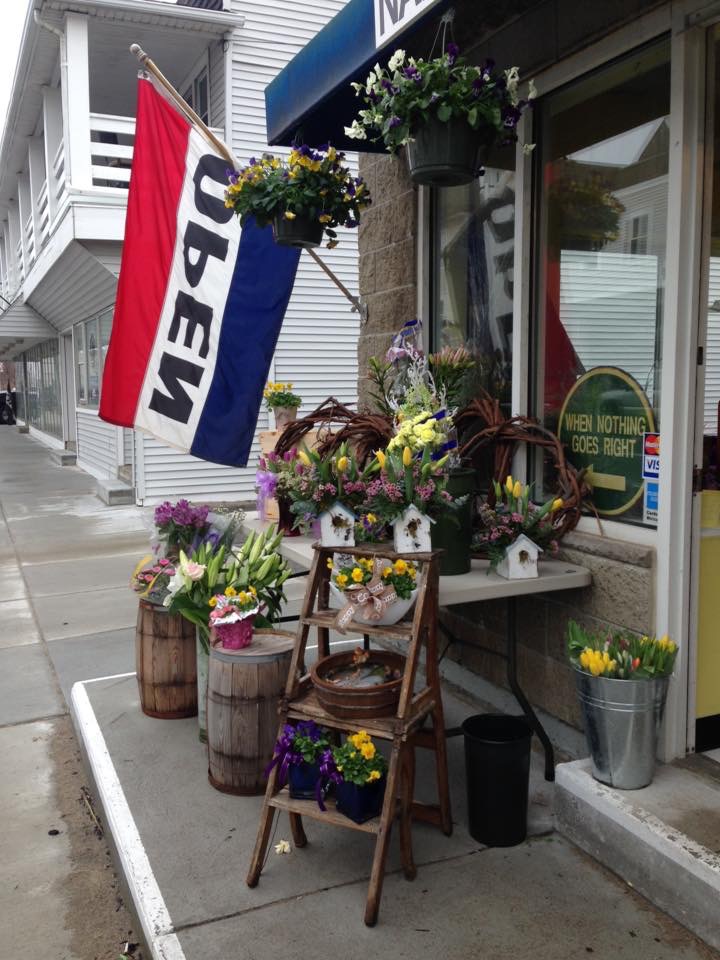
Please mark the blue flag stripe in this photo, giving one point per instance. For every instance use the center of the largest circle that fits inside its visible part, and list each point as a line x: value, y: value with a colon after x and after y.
x: 259, y: 293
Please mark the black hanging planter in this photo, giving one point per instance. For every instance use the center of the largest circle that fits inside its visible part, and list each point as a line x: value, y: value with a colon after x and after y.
x: 298, y: 232
x: 445, y: 154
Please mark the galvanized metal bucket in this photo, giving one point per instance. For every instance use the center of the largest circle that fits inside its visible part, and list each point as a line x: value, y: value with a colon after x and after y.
x: 622, y: 722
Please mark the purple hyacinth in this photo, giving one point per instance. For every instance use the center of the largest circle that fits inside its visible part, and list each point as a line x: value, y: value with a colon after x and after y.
x: 163, y: 513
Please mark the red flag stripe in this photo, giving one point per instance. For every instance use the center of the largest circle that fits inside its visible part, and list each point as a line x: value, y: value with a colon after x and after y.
x: 158, y: 171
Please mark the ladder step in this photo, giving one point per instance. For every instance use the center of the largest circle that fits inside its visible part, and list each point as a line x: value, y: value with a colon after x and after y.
x: 309, y: 808
x: 326, y: 618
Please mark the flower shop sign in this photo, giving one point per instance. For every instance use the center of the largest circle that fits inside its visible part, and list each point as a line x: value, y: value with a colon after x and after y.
x: 392, y: 16
x: 602, y: 423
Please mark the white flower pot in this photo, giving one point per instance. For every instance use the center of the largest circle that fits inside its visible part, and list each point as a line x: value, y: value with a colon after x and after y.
x: 392, y: 614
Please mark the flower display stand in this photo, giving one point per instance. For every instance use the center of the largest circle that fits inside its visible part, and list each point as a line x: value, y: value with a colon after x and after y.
x: 404, y: 729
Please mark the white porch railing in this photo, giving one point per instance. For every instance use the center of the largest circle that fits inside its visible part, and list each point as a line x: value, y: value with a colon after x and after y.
x: 111, y: 146
x: 43, y: 212
x: 29, y: 241
x: 59, y: 175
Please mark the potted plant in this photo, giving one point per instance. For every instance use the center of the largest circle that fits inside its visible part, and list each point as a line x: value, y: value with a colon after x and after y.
x: 409, y: 491
x: 512, y: 516
x: 310, y: 193
x: 179, y: 526
x: 358, y: 772
x: 330, y: 489
x: 297, y: 756
x: 209, y: 571
x: 369, y: 590
x: 232, y: 616
x: 282, y: 402
x: 622, y: 682
x: 278, y: 476
x: 444, y: 110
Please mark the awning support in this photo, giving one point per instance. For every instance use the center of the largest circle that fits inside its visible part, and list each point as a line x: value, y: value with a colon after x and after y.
x: 222, y: 149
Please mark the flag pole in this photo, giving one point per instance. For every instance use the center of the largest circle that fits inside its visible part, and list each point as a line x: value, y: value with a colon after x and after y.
x: 221, y: 148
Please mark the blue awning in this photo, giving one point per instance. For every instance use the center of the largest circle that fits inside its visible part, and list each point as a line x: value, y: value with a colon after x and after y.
x: 311, y: 99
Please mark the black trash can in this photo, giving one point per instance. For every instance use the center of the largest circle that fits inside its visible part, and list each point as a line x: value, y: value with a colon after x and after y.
x: 497, y: 770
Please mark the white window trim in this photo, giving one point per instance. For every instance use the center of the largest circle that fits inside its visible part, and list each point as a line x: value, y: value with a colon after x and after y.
x: 200, y: 65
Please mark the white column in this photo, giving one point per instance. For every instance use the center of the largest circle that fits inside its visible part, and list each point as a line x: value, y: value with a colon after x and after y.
x: 36, y: 166
x: 14, y: 235
x: 3, y: 263
x: 53, y: 125
x: 25, y: 213
x: 76, y: 101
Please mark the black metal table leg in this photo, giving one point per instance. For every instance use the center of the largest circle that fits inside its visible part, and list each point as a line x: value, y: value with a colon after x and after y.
x: 518, y: 693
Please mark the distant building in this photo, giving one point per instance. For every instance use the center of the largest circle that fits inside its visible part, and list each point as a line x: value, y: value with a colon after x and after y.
x: 65, y: 162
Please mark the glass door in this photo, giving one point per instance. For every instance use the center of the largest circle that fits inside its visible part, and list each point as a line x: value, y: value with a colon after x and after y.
x: 707, y: 455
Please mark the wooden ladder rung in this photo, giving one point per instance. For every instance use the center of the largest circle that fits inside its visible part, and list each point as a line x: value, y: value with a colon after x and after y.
x: 326, y: 618
x: 309, y: 808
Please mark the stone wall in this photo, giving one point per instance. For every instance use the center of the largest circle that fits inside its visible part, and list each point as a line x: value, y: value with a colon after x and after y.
x: 388, y: 272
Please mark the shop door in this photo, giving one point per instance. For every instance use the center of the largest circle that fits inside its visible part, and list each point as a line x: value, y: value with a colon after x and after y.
x: 706, y: 505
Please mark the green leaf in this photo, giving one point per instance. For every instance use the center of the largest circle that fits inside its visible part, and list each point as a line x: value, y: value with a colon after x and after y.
x: 444, y: 112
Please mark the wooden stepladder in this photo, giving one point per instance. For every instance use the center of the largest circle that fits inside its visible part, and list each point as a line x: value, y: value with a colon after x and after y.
x: 420, y: 700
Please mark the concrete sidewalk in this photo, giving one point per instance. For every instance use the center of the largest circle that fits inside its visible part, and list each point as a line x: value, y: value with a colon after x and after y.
x: 68, y: 616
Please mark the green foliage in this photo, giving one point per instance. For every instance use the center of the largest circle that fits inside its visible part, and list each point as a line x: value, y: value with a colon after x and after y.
x: 620, y: 654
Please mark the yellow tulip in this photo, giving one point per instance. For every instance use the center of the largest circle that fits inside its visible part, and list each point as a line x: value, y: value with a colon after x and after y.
x: 407, y: 457
x: 342, y: 464
x: 517, y: 490
x: 304, y: 458
x: 380, y: 456
x: 557, y: 504
x: 509, y: 484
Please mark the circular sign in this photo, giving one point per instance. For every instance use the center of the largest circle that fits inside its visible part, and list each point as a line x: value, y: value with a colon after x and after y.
x: 602, y: 423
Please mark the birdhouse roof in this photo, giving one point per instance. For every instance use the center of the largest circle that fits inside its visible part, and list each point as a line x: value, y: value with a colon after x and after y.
x: 413, y: 511
x: 524, y: 543
x: 338, y: 507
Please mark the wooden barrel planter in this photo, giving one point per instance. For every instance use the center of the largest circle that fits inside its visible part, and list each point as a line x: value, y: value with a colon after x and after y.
x: 357, y: 703
x: 165, y: 662
x: 244, y: 689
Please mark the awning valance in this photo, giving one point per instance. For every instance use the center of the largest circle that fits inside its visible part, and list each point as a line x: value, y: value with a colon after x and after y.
x: 311, y: 100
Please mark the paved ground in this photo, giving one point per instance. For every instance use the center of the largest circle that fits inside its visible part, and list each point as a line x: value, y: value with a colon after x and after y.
x: 64, y: 563
x: 66, y: 615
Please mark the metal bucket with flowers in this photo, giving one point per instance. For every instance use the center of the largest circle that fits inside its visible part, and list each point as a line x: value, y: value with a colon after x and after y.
x: 376, y: 591
x: 622, y: 681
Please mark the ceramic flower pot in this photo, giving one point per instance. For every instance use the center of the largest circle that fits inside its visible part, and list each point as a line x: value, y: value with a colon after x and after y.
x: 452, y: 530
x: 302, y: 780
x: 360, y: 803
x: 392, y: 614
x: 299, y: 232
x: 284, y: 416
x: 445, y: 154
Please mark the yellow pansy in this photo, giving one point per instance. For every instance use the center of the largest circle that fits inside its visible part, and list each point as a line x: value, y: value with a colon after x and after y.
x: 368, y: 750
x: 387, y: 572
x: 371, y: 518
x: 373, y: 775
x: 401, y: 566
x: 230, y: 592
x: 357, y: 575
x: 325, y: 218
x: 341, y: 579
x: 212, y: 602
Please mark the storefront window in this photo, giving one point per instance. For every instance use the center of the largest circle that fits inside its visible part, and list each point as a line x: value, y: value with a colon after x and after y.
x: 602, y: 193
x: 473, y: 256
x: 41, y: 406
x: 91, y: 339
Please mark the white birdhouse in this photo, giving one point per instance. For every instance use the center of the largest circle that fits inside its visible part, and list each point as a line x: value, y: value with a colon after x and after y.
x: 337, y: 526
x: 411, y: 531
x: 520, y: 560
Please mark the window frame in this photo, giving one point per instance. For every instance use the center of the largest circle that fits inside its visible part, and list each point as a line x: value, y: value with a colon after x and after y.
x: 200, y: 68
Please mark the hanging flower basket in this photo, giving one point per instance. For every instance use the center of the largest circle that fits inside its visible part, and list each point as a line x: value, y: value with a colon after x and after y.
x: 445, y: 154
x: 298, y: 232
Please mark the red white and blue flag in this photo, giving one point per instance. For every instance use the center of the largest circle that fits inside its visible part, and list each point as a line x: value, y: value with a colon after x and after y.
x: 200, y: 301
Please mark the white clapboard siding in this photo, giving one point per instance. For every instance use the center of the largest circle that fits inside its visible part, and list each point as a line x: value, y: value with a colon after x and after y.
x: 96, y: 445
x: 712, y: 351
x: 317, y: 348
x: 128, y: 441
x: 608, y: 306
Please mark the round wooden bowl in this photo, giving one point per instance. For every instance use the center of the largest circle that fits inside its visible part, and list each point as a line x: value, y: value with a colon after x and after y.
x: 358, y: 703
